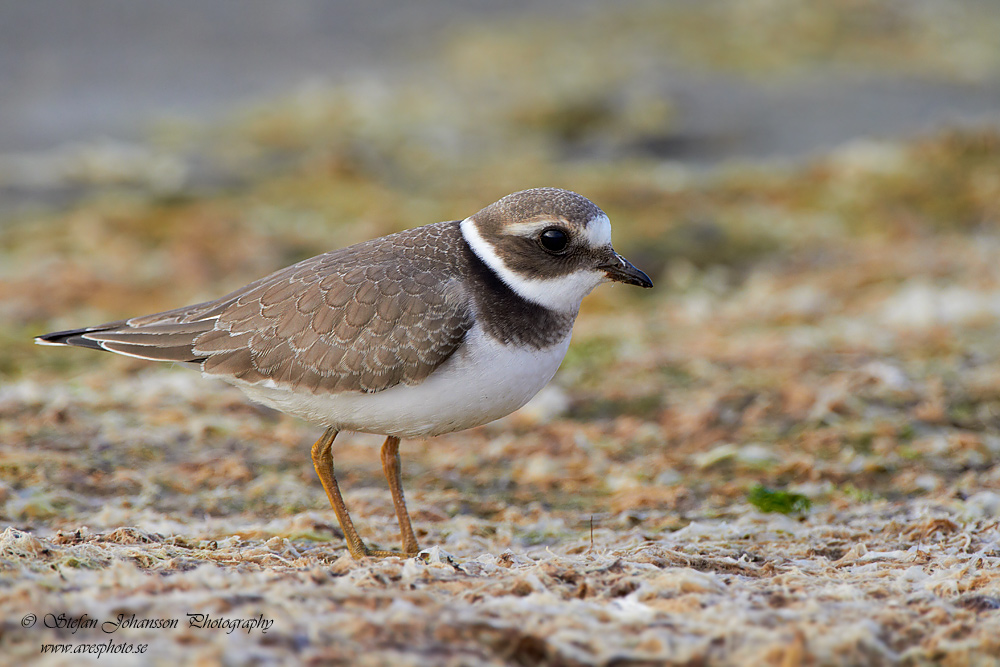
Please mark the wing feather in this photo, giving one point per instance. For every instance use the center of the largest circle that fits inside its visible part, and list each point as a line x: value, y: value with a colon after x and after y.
x: 363, y: 318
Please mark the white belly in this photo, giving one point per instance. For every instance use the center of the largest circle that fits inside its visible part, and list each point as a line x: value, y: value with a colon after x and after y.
x: 484, y: 380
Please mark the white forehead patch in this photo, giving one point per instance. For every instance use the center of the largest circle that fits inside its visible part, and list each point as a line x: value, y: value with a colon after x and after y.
x: 597, y: 232
x: 563, y: 293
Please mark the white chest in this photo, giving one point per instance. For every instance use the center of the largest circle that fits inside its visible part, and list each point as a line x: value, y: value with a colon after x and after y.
x: 484, y: 380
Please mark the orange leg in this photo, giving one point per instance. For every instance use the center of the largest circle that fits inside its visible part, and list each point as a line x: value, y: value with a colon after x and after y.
x: 322, y: 458
x: 393, y: 474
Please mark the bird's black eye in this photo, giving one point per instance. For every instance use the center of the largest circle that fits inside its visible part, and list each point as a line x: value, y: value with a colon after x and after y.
x: 554, y: 240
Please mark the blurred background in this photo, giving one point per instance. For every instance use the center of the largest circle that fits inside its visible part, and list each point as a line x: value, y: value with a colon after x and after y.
x: 698, y: 82
x: 740, y: 79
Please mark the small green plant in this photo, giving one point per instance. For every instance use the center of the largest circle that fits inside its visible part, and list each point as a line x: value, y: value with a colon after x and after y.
x: 773, y: 500
x: 859, y: 495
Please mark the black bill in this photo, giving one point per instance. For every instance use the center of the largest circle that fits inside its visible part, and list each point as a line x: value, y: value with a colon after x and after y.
x: 623, y: 271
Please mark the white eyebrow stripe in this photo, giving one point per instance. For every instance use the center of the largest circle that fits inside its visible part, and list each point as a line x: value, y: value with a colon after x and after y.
x: 597, y: 232
x: 528, y: 228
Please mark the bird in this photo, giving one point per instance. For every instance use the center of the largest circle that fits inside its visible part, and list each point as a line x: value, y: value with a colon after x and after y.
x: 430, y: 330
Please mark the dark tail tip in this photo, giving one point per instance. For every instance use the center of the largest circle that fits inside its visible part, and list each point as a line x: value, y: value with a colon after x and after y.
x: 73, y: 337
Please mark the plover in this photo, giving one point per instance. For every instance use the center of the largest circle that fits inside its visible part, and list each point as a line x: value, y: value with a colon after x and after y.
x: 427, y: 331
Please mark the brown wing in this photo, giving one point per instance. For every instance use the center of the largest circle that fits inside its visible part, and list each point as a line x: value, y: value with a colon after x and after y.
x: 364, y: 318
